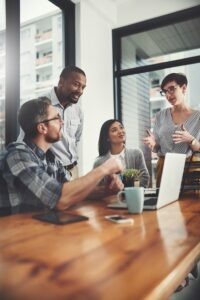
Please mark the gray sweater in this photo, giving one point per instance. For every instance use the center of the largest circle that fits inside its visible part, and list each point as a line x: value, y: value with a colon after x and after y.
x: 134, y: 158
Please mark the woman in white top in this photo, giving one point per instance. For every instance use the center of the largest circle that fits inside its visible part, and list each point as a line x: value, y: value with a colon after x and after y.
x: 112, y: 141
x: 176, y: 129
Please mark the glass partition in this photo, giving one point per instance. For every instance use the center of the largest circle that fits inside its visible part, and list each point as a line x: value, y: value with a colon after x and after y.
x: 141, y: 100
x: 143, y: 54
x: 2, y: 73
x: 166, y: 43
x: 41, y: 48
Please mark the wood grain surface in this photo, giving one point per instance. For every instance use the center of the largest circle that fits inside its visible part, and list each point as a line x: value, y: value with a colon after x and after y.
x: 98, y: 259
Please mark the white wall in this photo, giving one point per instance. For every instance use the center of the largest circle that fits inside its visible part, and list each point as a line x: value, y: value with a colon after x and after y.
x: 95, y: 21
x: 94, y: 56
x: 133, y: 11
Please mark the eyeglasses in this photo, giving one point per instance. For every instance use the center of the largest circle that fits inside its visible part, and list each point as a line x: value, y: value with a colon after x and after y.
x: 171, y: 90
x: 52, y: 119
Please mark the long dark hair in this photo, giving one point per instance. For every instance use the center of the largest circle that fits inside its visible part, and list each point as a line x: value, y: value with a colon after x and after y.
x: 104, y: 143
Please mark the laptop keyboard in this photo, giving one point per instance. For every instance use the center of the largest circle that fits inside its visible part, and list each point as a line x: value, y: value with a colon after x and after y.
x: 151, y: 201
x: 151, y: 192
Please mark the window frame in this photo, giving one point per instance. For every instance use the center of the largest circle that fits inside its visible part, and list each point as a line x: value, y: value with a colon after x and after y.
x: 118, y: 33
x: 119, y: 73
x: 12, y: 80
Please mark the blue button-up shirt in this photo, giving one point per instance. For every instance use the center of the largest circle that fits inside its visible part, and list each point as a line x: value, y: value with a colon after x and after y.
x: 66, y: 148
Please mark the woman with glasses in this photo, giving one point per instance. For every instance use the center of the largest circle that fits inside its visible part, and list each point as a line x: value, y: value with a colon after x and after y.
x: 177, y: 128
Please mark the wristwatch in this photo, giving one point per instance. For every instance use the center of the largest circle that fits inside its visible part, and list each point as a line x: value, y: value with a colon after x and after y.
x: 193, y: 142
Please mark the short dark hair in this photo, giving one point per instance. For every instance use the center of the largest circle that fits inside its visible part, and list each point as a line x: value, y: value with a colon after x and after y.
x: 31, y: 113
x: 179, y: 78
x: 104, y: 144
x: 69, y: 69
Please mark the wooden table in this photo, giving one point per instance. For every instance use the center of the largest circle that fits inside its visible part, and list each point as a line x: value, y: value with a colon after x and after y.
x: 98, y: 259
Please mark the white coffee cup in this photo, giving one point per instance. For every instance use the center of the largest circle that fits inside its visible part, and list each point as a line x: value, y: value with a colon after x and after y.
x: 134, y: 197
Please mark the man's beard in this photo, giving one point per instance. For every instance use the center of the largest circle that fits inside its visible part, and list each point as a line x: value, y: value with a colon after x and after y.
x: 52, y: 140
x: 71, y: 100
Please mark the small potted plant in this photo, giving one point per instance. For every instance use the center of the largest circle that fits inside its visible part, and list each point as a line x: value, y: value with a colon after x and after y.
x: 131, y: 177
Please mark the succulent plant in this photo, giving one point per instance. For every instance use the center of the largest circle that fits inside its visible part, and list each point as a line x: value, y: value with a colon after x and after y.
x: 130, y: 177
x: 131, y: 173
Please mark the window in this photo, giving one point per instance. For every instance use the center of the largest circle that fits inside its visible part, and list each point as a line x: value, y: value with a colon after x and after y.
x: 167, y: 43
x: 41, y: 48
x: 43, y: 32
x: 149, y: 51
x: 2, y: 74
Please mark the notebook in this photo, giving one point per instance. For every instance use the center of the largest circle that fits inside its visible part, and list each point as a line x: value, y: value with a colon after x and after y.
x: 170, y: 186
x: 170, y: 182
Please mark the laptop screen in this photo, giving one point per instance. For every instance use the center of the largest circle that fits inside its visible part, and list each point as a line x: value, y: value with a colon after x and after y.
x: 171, y: 179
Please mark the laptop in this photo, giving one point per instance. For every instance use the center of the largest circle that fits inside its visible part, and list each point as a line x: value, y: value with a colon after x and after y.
x: 170, y: 182
x: 169, y: 187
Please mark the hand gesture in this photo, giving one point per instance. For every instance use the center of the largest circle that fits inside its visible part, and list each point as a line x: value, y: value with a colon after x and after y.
x: 112, y: 166
x: 150, y: 140
x: 182, y: 136
x: 114, y: 183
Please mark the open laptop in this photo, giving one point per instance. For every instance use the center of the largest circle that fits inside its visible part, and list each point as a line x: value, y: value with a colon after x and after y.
x: 169, y: 187
x: 170, y: 182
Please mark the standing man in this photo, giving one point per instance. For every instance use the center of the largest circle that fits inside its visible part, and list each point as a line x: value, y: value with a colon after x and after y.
x: 65, y: 98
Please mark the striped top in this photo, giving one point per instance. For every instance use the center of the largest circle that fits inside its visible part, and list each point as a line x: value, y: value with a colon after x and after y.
x: 164, y: 128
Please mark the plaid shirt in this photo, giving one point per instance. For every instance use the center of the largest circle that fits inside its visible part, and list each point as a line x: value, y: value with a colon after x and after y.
x: 34, y: 178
